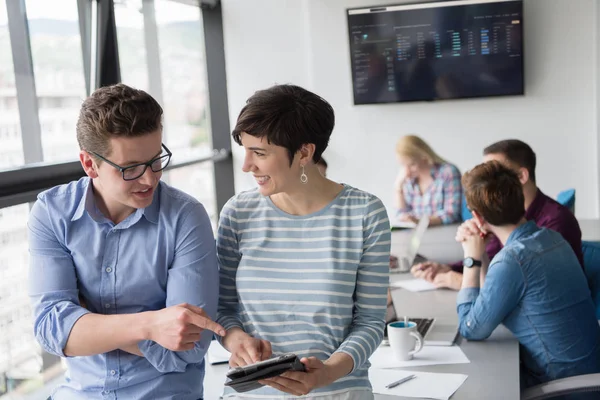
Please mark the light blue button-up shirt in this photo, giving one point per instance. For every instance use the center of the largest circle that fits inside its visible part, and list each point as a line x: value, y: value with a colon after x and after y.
x: 157, y: 257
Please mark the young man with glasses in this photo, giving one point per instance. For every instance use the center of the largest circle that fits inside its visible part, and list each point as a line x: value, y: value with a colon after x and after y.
x: 123, y: 278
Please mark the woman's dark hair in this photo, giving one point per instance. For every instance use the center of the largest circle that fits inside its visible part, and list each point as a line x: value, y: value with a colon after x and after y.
x: 288, y: 116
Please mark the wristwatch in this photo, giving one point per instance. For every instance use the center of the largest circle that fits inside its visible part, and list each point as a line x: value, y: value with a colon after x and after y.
x: 471, y: 262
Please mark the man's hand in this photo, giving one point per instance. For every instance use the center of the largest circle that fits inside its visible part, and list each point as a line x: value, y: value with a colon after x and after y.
x: 302, y: 383
x: 429, y: 270
x: 449, y: 279
x: 246, y: 349
x: 469, y: 228
x: 178, y: 327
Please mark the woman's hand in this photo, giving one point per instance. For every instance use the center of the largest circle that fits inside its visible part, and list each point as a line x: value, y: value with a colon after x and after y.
x: 301, y: 383
x: 406, y: 217
x: 400, y: 178
x: 246, y: 349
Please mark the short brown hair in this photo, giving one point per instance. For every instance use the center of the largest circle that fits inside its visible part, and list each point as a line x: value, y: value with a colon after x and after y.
x: 288, y: 116
x: 494, y: 192
x: 116, y: 111
x: 516, y: 152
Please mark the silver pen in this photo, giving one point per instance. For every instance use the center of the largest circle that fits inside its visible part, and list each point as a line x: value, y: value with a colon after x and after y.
x: 405, y: 379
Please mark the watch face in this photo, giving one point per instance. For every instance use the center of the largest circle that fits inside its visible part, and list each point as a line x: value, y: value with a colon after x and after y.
x: 468, y: 262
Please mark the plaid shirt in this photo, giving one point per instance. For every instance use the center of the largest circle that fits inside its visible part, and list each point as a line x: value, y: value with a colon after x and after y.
x: 441, y: 199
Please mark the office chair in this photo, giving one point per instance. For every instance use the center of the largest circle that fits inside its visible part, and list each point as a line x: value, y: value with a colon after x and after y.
x: 573, y: 385
x: 591, y: 266
x: 567, y: 199
x: 465, y: 213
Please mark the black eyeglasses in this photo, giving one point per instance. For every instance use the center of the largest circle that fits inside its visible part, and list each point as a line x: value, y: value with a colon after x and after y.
x: 133, y: 172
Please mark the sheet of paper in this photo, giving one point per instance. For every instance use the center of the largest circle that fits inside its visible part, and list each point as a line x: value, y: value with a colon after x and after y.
x: 383, y: 357
x: 403, y: 224
x: 216, y: 354
x: 426, y: 384
x: 414, y: 285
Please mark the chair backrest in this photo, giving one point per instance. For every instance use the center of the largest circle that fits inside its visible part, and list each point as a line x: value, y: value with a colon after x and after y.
x: 567, y: 199
x: 465, y: 213
x: 591, y: 264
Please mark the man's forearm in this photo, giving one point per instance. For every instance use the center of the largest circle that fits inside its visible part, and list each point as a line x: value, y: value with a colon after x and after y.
x: 471, y: 278
x: 485, y: 262
x: 133, y: 349
x: 98, y: 334
x: 471, y: 275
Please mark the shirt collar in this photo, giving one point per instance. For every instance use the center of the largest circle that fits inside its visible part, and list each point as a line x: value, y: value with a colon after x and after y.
x: 522, y: 230
x: 535, y: 206
x: 88, y: 203
x: 151, y: 212
x: 433, y: 171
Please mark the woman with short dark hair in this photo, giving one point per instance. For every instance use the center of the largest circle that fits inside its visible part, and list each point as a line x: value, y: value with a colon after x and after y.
x: 303, y: 259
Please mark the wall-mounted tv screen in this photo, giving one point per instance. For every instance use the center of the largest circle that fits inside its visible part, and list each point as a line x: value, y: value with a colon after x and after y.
x: 437, y: 50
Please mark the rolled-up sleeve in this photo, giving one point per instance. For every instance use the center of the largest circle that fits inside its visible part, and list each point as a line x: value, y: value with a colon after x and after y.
x: 229, y: 259
x: 480, y: 311
x: 193, y: 279
x: 366, y: 331
x: 52, y: 283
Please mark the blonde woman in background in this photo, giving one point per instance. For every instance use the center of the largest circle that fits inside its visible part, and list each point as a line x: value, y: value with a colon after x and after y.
x: 426, y: 184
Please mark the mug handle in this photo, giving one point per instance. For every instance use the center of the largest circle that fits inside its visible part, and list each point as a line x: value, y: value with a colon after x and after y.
x: 418, y: 344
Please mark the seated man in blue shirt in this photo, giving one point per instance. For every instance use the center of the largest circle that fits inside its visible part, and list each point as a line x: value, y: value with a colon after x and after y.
x: 534, y: 285
x: 123, y: 278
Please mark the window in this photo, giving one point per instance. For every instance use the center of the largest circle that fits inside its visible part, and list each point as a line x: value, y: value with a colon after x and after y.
x: 132, y: 50
x: 24, y: 369
x: 58, y: 70
x: 11, y: 154
x: 185, y: 98
x: 179, y: 52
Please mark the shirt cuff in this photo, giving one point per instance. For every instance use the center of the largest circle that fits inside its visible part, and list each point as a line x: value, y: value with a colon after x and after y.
x: 467, y: 295
x: 160, y: 358
x: 67, y: 325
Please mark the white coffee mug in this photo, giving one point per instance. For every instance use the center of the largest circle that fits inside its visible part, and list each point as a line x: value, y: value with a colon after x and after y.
x: 405, y: 340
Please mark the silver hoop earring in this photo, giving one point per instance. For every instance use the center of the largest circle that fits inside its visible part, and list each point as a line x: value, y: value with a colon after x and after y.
x: 303, y: 177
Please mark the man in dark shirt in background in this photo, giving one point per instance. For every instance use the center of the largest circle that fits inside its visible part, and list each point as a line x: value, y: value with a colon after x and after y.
x: 541, y: 209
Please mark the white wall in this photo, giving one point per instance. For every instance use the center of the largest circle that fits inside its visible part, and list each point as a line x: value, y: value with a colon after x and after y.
x: 305, y: 42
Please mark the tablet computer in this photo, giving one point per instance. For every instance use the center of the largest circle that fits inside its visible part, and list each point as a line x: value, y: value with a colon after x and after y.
x: 244, y: 379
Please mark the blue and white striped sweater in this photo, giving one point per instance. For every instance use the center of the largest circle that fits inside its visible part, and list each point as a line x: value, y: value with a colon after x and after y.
x: 312, y: 285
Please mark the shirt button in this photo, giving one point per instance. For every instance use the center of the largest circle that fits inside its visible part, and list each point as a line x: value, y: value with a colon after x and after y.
x: 112, y: 372
x: 107, y: 305
x: 106, y: 392
x: 469, y: 324
x: 108, y: 269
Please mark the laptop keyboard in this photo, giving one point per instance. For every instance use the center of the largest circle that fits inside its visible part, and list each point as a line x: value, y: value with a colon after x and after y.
x: 423, y: 324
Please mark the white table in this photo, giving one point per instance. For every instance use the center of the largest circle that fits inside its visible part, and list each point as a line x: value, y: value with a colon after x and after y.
x: 494, y: 368
x: 590, y: 229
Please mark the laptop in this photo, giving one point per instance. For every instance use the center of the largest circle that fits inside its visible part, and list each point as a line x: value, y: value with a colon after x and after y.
x: 411, y: 256
x: 435, y: 331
